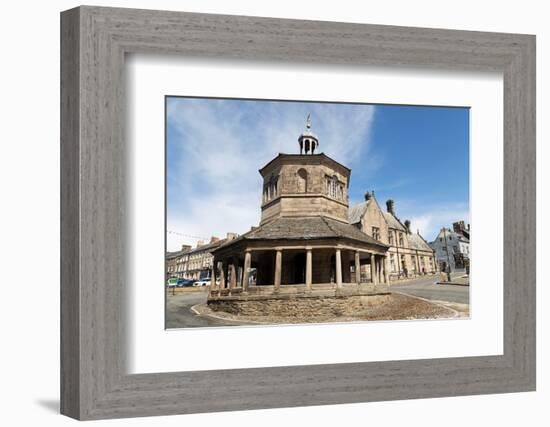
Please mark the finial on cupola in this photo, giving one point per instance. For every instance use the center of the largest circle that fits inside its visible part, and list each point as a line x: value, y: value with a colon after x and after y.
x: 307, y: 140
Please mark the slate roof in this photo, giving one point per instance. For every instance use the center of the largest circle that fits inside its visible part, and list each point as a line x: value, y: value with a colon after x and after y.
x: 176, y: 254
x: 393, y: 222
x: 454, y: 235
x: 355, y: 213
x: 417, y: 242
x: 306, y: 228
x: 207, y: 247
x: 306, y: 157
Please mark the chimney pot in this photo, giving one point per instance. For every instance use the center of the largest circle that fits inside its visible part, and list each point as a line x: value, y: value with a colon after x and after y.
x: 390, y: 206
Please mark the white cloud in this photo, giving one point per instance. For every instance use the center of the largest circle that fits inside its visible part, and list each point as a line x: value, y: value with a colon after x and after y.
x: 214, y: 186
x: 431, y: 219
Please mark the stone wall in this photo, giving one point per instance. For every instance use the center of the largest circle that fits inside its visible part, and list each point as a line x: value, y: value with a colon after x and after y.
x: 302, y: 191
x: 373, y: 217
x: 304, y: 307
x: 410, y: 259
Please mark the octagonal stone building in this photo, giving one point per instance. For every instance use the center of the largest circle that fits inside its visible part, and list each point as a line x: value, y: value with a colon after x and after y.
x: 304, y: 245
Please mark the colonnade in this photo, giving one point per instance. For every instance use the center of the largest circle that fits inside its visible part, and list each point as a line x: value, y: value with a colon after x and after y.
x: 379, y: 269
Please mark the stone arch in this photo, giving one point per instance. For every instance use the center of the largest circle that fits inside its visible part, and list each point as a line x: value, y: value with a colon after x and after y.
x: 302, y: 181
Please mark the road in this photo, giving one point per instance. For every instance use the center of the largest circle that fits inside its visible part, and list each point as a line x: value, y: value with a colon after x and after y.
x: 179, y: 314
x: 426, y: 288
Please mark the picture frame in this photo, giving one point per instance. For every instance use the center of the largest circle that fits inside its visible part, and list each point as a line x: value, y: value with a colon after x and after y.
x: 94, y: 379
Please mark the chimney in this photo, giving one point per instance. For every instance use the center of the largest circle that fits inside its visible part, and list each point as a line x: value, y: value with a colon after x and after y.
x: 368, y: 196
x: 185, y: 247
x: 389, y: 205
x: 200, y: 243
x: 459, y: 227
x: 214, y: 239
x: 231, y: 236
x: 408, y: 226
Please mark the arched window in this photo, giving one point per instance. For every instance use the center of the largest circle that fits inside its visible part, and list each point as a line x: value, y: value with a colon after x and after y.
x: 302, y: 181
x: 333, y: 187
x: 271, y: 188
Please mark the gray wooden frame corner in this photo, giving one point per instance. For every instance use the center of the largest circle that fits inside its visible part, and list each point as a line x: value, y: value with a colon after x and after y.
x: 94, y: 41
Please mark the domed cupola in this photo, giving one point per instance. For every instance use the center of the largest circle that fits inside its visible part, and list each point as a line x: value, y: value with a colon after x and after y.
x: 308, y: 140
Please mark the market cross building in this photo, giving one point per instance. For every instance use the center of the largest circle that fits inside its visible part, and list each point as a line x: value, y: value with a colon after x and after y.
x: 304, y: 244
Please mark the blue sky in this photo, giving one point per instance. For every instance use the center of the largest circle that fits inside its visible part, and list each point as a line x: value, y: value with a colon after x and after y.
x: 418, y: 156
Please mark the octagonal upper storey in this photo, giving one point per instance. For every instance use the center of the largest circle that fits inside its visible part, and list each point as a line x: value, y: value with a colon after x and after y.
x: 304, y: 185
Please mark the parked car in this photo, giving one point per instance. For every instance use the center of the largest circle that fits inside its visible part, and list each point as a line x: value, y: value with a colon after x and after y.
x: 202, y: 282
x: 183, y: 283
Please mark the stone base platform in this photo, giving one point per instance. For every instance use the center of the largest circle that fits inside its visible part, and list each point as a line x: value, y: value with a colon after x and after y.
x: 290, y: 292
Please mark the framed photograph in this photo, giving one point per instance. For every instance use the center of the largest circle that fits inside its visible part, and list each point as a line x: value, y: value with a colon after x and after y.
x: 321, y: 248
x: 261, y: 213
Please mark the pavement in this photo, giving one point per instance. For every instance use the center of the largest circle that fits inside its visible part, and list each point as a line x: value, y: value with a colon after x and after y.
x: 426, y: 287
x: 179, y: 314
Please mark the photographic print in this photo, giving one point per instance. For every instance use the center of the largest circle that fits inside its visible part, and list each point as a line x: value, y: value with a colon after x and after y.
x: 294, y: 212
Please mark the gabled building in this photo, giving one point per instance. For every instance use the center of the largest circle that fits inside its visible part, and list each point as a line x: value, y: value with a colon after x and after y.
x: 409, y: 255
x: 452, y: 247
x: 175, y: 262
x: 194, y: 263
x: 198, y: 261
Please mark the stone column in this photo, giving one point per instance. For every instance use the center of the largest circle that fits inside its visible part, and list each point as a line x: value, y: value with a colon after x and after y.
x: 338, y: 268
x: 357, y: 267
x: 213, y: 275
x: 386, y: 275
x: 233, y: 272
x: 222, y: 276
x: 246, y: 270
x: 374, y: 278
x: 278, y: 269
x: 309, y: 269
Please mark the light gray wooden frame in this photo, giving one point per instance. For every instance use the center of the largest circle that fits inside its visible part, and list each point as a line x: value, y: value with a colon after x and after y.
x: 94, y: 382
